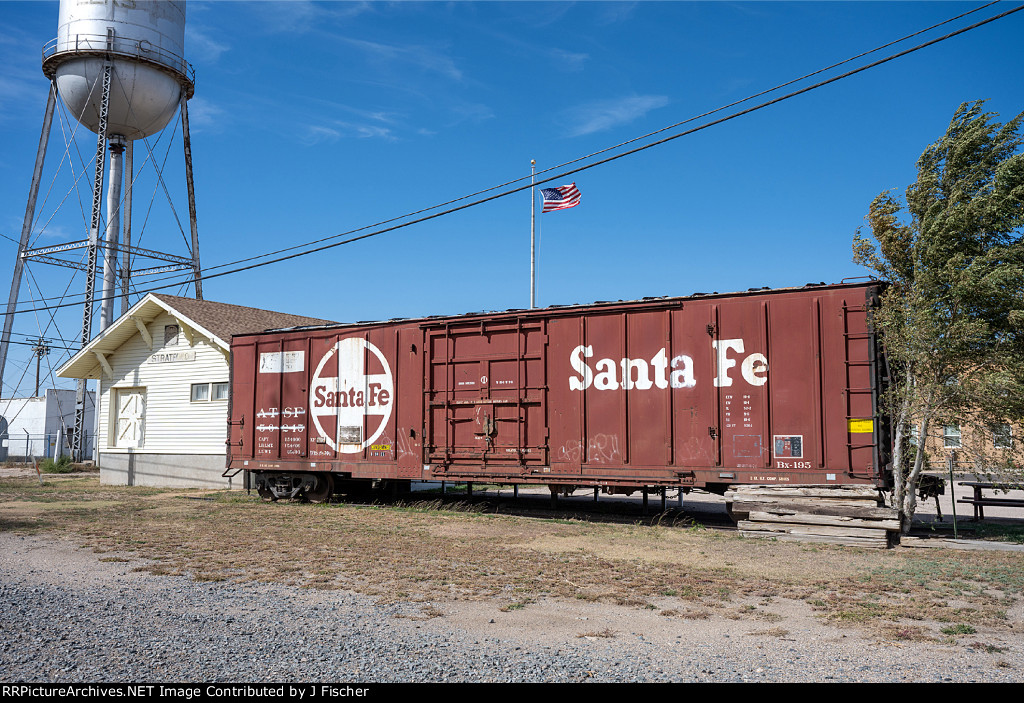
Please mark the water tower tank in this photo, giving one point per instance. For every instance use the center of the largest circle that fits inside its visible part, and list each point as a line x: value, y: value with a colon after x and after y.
x: 144, y: 38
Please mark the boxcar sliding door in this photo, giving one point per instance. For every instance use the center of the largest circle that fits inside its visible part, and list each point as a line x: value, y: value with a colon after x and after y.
x: 486, y: 396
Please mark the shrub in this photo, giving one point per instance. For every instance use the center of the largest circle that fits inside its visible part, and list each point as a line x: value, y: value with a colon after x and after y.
x: 60, y: 466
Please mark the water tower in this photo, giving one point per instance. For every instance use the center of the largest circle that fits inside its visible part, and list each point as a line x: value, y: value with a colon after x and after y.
x: 118, y: 67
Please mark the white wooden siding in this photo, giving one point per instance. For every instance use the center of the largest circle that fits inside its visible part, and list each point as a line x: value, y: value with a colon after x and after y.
x: 173, y: 424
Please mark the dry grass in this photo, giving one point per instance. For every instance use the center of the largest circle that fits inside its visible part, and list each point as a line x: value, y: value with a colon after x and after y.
x: 772, y: 632
x: 599, y: 634
x: 907, y: 633
x: 427, y: 613
x: 431, y: 551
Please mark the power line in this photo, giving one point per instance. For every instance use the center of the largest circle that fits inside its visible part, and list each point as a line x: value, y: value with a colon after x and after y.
x: 564, y: 174
x: 48, y: 344
x: 611, y: 148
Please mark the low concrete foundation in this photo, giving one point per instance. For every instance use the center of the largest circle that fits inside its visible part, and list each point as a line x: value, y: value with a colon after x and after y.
x: 166, y: 470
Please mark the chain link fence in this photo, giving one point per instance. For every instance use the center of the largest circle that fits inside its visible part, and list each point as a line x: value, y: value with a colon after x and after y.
x: 27, y: 448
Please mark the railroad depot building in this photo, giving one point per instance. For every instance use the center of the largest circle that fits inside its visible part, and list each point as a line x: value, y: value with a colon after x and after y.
x: 162, y: 370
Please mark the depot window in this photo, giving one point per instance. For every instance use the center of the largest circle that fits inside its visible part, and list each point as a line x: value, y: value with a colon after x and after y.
x: 204, y: 392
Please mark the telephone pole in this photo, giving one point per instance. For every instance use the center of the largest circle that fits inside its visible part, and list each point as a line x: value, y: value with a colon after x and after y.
x: 40, y: 350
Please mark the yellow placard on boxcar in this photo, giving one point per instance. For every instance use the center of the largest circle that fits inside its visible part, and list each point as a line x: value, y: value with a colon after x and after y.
x: 858, y: 426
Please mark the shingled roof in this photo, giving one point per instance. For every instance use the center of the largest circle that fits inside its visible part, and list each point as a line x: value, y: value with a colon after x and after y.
x: 225, y: 320
x: 216, y: 322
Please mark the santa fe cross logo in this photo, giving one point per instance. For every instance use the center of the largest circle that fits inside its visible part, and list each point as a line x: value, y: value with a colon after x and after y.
x: 349, y: 406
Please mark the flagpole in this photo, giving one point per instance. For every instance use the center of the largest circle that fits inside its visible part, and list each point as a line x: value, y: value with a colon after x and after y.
x: 533, y: 235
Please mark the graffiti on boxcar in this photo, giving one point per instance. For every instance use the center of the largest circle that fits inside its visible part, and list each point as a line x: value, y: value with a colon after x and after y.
x: 697, y: 450
x: 406, y: 447
x: 601, y: 449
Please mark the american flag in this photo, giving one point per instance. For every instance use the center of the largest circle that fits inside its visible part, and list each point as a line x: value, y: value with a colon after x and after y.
x: 560, y: 198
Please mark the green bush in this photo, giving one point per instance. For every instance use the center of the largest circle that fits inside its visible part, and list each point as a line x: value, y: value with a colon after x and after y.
x: 960, y: 629
x: 60, y: 466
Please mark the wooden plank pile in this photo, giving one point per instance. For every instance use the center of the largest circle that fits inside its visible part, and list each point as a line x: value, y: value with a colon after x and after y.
x: 850, y: 515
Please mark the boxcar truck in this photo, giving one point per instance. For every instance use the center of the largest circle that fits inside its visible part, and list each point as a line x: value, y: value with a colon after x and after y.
x: 767, y: 388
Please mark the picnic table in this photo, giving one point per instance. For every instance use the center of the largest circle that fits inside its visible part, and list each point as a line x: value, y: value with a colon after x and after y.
x: 980, y: 500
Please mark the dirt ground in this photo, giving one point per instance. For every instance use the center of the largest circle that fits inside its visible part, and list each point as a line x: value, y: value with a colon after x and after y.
x: 771, y: 639
x: 482, y: 569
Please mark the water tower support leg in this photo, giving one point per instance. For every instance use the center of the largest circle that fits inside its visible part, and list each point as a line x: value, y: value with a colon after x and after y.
x: 126, y: 259
x: 108, y: 297
x: 187, y: 139
x: 26, y: 229
x: 77, y: 438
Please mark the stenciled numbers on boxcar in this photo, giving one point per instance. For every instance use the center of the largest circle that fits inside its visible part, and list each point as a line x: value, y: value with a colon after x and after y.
x: 293, y: 430
x: 792, y: 464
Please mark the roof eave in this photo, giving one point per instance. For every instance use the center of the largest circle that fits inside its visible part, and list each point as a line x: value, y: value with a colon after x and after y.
x: 84, y: 364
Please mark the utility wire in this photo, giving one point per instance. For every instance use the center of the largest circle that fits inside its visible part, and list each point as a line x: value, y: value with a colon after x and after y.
x: 608, y: 148
x: 48, y: 343
x: 581, y: 158
x: 611, y: 148
x: 207, y: 272
x: 579, y: 169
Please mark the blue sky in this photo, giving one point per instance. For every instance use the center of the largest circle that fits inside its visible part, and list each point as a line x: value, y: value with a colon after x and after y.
x: 311, y: 119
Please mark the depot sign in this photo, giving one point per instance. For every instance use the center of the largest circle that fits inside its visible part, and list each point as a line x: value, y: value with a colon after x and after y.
x: 639, y: 374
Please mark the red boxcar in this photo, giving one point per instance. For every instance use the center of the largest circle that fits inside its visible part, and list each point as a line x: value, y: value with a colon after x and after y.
x: 767, y: 387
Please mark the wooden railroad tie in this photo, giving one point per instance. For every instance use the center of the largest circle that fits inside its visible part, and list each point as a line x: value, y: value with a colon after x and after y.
x: 853, y: 516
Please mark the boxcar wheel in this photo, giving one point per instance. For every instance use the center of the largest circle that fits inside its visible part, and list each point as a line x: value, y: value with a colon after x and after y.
x: 266, y: 494
x: 322, y: 490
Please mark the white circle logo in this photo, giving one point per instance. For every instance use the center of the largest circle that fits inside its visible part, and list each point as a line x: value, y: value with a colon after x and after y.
x: 352, y: 397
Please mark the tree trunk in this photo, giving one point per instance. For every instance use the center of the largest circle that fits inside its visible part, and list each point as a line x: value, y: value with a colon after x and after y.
x: 899, y: 489
x: 909, y: 506
x: 899, y: 480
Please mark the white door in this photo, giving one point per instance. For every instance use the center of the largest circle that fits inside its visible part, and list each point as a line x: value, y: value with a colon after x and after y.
x: 131, y: 417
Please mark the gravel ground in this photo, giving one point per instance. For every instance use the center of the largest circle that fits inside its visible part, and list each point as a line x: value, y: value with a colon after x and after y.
x: 67, y: 616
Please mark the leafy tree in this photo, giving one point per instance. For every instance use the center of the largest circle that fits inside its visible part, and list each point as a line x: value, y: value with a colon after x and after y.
x: 952, y: 320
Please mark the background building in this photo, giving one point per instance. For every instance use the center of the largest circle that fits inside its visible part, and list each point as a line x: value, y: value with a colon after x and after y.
x: 38, y: 427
